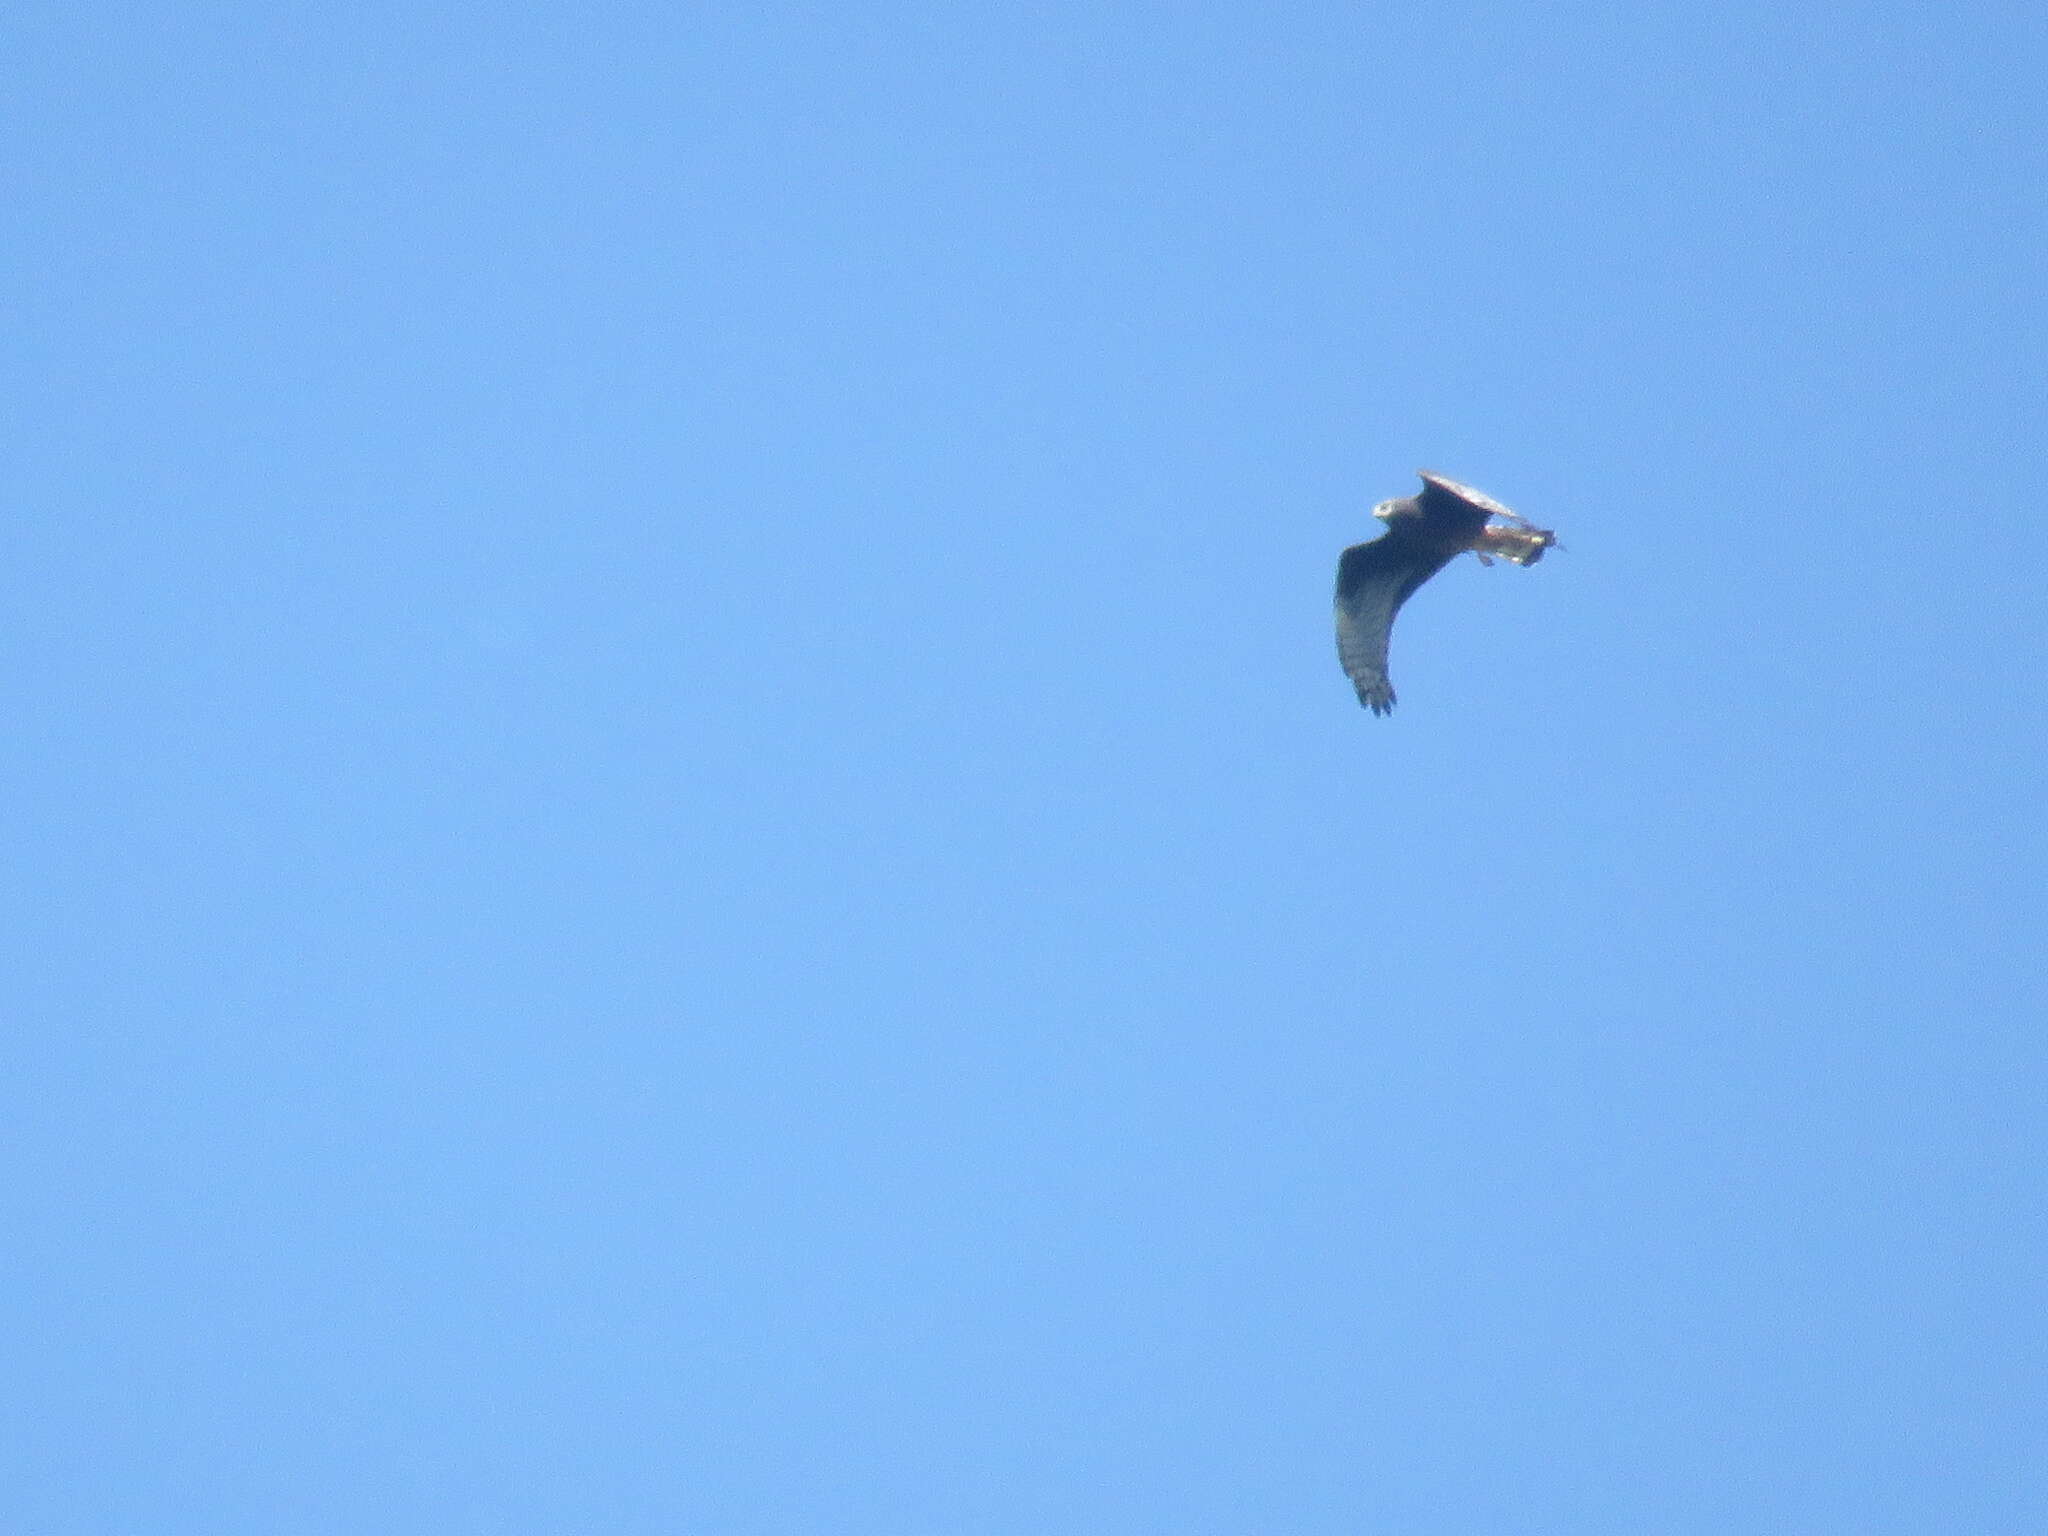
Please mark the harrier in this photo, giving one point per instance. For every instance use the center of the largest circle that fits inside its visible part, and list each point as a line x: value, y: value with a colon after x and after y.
x: 1424, y: 533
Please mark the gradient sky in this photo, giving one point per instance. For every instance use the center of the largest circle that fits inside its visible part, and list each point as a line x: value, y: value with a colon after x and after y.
x: 685, y: 853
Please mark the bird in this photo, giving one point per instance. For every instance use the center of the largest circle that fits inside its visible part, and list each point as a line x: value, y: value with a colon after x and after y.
x: 1425, y: 532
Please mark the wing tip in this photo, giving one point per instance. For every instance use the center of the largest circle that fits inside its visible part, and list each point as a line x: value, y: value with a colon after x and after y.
x: 1376, y: 696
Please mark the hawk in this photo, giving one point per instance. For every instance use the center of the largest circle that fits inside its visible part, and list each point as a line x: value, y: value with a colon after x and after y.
x: 1425, y: 532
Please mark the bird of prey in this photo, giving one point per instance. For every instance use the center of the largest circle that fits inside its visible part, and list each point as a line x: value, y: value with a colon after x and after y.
x: 1424, y: 533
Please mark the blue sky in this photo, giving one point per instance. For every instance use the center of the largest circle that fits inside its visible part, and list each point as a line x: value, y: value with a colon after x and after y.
x: 687, y: 854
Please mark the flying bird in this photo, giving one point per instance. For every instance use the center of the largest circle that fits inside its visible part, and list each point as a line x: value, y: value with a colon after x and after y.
x: 1425, y: 532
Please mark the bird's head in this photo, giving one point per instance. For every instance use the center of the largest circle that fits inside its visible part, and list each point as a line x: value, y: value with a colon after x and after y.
x: 1387, y: 511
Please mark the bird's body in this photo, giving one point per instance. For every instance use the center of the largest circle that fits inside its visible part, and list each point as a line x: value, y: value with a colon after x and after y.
x: 1425, y: 532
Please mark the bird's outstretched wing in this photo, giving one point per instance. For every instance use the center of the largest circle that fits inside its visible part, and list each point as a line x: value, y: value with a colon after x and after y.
x: 1441, y: 495
x: 1373, y: 581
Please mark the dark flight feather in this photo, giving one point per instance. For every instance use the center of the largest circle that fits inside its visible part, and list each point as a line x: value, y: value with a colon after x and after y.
x: 1373, y: 581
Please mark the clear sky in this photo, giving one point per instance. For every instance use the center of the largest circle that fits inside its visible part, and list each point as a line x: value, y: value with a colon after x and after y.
x: 684, y: 853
